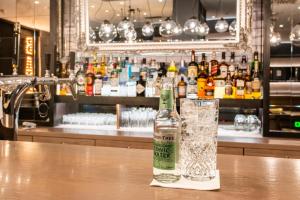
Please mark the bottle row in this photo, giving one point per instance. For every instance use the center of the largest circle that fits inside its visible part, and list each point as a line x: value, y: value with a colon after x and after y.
x: 203, y: 79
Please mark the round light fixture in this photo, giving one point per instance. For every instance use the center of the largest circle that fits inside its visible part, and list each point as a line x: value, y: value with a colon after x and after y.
x: 177, y: 30
x: 295, y: 33
x: 123, y: 26
x: 275, y: 39
x: 191, y: 26
x: 92, y: 34
x: 232, y: 28
x: 203, y: 29
x: 221, y: 25
x: 147, y: 29
x: 107, y: 31
x: 130, y: 34
x: 166, y: 28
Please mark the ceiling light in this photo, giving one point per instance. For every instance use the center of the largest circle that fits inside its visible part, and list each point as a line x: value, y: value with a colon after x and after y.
x: 167, y: 27
x: 106, y: 11
x: 92, y: 6
x: 147, y: 29
x: 122, y: 2
x: 36, y: 2
x: 123, y: 26
x: 203, y: 29
x: 213, y: 17
x: 118, y: 15
x: 145, y: 13
x: 191, y: 26
x: 221, y: 26
x: 160, y: 1
x: 275, y: 39
x: 232, y: 28
x: 298, y: 7
x: 134, y: 20
x: 281, y: 26
x: 107, y: 31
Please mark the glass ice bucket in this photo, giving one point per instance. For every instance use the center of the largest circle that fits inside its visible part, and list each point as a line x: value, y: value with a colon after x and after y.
x: 198, y: 144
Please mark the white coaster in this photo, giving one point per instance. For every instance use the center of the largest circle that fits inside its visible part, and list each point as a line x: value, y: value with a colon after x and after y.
x: 213, y: 184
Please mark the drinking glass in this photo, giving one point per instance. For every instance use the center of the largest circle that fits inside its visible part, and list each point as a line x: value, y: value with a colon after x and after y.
x: 253, y: 123
x: 198, y: 144
x: 240, y: 122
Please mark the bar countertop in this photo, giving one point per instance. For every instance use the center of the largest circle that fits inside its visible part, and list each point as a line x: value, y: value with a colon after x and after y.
x: 38, y: 171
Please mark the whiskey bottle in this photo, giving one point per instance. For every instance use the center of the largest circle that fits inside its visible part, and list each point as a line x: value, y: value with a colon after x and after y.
x: 223, y: 67
x: 140, y: 87
x: 193, y: 66
x: 167, y: 129
x: 240, y: 85
x: 80, y: 78
x: 103, y: 67
x: 248, y: 81
x: 255, y: 63
x: 209, y: 88
x: 201, y: 82
x: 255, y: 79
x: 89, y: 81
x: 181, y: 88
x: 144, y: 70
x: 228, y: 85
x: 191, y: 90
x: 214, y: 65
x: 232, y: 64
x: 98, y: 82
x: 203, y: 63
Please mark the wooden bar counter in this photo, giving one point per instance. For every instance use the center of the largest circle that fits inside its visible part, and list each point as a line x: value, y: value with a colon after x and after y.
x: 38, y: 171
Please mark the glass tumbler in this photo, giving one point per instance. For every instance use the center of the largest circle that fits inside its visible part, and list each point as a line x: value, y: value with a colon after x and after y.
x: 198, y: 144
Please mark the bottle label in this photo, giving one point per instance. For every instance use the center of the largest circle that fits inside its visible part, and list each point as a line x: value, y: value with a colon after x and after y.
x: 256, y: 85
x: 248, y: 87
x: 223, y: 71
x: 228, y: 90
x: 192, y: 71
x: 140, y: 88
x: 240, y: 91
x: 164, y: 150
x: 97, y: 86
x: 201, y: 87
x: 166, y: 99
x: 240, y: 83
x: 182, y: 91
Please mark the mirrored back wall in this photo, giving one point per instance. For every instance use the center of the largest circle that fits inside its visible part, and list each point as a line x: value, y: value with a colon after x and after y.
x: 120, y: 21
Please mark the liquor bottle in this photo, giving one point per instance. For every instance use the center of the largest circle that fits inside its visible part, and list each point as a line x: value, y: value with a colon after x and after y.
x: 103, y: 67
x: 214, y: 65
x: 182, y: 70
x: 162, y: 71
x: 167, y: 130
x: 235, y: 77
x: 248, y: 81
x: 182, y: 88
x: 157, y: 86
x: 110, y: 65
x: 223, y: 67
x: 228, y: 86
x: 80, y: 78
x: 114, y: 72
x: 153, y: 69
x: 98, y: 82
x: 201, y: 82
x: 232, y: 64
x: 58, y: 66
x: 193, y: 66
x: 144, y: 70
x: 209, y: 88
x: 135, y: 69
x: 191, y: 89
x: 95, y: 62
x: 128, y: 67
x: 240, y: 85
x: 255, y: 63
x: 172, y: 70
x: 140, y: 87
x: 255, y: 79
x: 203, y: 63
x: 150, y: 88
x: 89, y: 81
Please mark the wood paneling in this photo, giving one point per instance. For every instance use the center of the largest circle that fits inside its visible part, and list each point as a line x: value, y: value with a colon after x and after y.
x: 124, y: 144
x: 231, y: 150
x: 25, y: 138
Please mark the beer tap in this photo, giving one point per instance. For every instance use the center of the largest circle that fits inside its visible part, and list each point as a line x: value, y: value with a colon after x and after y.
x: 12, y: 91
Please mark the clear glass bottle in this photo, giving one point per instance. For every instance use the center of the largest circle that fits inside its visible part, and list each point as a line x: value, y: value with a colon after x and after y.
x: 167, y: 130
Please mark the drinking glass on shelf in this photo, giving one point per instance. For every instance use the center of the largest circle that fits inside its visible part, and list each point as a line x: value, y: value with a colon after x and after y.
x: 198, y: 145
x: 240, y: 122
x: 253, y: 123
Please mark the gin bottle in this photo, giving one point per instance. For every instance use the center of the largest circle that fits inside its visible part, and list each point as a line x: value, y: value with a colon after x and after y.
x: 166, y: 136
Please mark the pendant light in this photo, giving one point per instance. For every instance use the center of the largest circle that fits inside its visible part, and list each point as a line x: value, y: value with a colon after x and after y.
x: 203, y: 29
x: 221, y: 25
x: 92, y: 34
x: 130, y: 34
x: 107, y: 31
x: 232, y: 28
x: 295, y: 33
x: 191, y: 26
x: 166, y: 28
x: 275, y: 37
x: 177, y: 30
x: 147, y: 29
x: 124, y: 26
